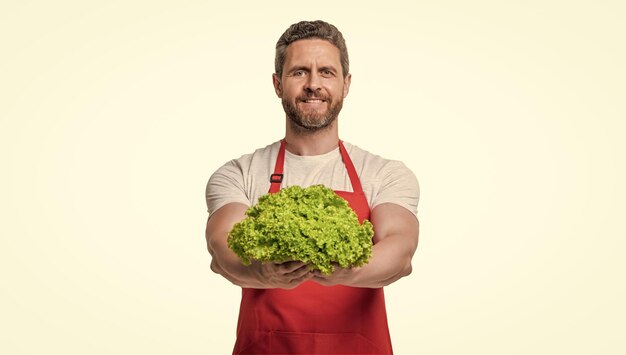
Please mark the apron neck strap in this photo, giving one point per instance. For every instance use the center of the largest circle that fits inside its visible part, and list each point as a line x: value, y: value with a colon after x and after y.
x: 277, y: 177
x: 354, y: 178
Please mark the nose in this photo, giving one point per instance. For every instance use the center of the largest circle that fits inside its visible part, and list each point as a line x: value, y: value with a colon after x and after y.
x: 313, y: 83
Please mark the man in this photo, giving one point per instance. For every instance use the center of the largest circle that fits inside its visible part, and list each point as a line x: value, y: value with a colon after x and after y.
x: 287, y: 308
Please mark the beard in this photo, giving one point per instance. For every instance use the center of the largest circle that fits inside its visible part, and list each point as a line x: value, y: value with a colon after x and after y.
x: 309, y: 122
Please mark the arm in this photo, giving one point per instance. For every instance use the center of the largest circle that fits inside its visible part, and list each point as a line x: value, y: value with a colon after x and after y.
x: 226, y: 263
x: 396, y: 233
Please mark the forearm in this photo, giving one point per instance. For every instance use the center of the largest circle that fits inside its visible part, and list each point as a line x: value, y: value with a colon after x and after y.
x: 396, y: 234
x: 223, y: 260
x: 232, y: 270
x: 226, y: 263
x: 256, y: 275
x: 389, y: 263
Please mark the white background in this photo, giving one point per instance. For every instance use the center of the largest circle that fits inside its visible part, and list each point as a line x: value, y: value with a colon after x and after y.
x: 114, y: 114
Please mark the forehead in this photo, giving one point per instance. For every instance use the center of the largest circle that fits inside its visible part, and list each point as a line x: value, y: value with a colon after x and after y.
x: 308, y: 51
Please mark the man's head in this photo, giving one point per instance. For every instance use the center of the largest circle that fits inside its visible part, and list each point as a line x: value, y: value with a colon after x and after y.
x: 312, y: 77
x: 308, y: 30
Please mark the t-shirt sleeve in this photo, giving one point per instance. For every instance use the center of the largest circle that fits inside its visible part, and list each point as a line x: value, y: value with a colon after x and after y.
x: 226, y: 185
x: 397, y: 184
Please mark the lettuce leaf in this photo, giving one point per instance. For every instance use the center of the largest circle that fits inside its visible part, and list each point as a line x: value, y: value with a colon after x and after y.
x: 313, y: 225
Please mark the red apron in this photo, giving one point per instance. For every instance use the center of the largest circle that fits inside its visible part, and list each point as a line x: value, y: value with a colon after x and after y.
x: 311, y: 318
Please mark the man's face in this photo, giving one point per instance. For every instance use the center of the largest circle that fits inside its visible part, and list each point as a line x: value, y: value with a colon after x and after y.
x: 312, y: 86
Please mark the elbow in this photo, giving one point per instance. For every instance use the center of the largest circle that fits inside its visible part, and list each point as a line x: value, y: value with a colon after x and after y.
x: 215, y: 267
x: 211, y: 244
x: 212, y: 247
x: 406, y: 270
x: 215, y: 264
x: 407, y: 259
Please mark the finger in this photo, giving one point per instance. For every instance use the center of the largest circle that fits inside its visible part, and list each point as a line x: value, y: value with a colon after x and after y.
x: 316, y: 273
x: 296, y: 274
x: 291, y: 266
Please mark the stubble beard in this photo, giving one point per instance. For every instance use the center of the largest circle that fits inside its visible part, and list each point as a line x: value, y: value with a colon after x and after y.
x: 306, y: 123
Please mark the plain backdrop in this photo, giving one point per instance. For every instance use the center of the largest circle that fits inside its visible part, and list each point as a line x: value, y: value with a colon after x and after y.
x: 113, y: 115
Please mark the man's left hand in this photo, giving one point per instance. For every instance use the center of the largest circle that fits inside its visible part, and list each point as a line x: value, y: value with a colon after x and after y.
x: 340, y: 276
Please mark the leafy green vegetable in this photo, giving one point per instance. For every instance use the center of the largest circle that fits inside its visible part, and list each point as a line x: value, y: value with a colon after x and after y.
x: 313, y: 225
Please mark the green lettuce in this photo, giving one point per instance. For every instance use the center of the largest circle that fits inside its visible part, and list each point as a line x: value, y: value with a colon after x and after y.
x: 313, y: 225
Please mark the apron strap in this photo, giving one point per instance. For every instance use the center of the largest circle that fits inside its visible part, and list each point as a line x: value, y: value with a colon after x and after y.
x: 354, y: 178
x: 277, y: 177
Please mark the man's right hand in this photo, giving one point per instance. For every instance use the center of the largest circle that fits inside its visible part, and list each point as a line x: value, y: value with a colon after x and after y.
x: 256, y: 275
x: 285, y: 275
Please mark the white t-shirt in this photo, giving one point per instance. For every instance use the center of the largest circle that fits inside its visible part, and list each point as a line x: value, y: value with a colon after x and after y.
x: 245, y: 179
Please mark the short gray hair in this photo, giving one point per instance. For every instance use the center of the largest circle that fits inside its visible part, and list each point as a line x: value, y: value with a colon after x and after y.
x: 311, y: 29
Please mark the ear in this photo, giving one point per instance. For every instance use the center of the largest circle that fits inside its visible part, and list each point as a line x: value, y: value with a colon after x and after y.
x: 346, y: 84
x: 277, y: 86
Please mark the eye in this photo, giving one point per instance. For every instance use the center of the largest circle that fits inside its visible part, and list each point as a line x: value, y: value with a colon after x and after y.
x: 327, y: 73
x: 299, y: 73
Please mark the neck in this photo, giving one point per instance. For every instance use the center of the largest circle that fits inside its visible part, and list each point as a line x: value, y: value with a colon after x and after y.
x: 311, y: 143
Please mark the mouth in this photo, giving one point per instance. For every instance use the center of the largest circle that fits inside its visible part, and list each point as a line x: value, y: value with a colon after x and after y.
x: 312, y: 100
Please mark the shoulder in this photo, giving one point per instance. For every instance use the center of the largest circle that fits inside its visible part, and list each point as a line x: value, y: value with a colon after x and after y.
x: 385, y: 180
x: 258, y: 154
x: 245, y: 161
x: 235, y: 180
x: 373, y: 164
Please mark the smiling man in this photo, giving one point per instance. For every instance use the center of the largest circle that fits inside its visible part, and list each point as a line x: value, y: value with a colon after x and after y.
x: 311, y: 85
x: 287, y: 308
